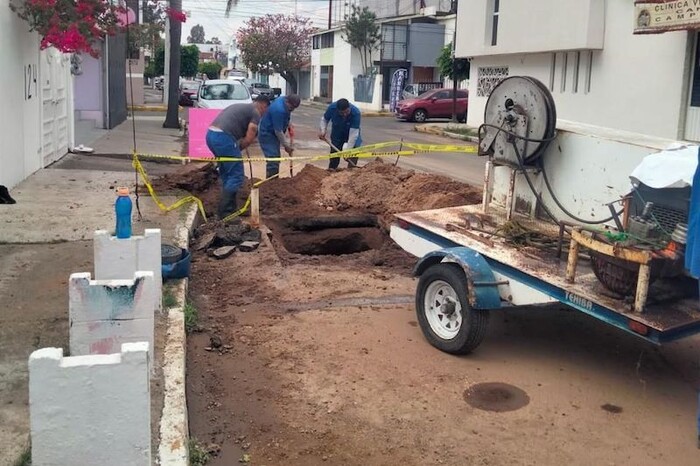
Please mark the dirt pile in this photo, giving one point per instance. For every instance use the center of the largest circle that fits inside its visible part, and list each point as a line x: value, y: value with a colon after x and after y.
x: 377, y: 188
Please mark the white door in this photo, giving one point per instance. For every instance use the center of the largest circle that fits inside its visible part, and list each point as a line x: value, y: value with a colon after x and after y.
x: 55, y: 130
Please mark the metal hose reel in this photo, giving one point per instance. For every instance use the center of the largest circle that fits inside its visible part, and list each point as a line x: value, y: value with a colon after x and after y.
x: 519, y: 121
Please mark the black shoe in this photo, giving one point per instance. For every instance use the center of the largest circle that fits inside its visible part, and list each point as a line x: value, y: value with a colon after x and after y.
x: 227, y: 205
x: 5, y: 197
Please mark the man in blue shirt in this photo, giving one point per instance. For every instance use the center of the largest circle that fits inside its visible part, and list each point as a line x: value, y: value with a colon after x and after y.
x: 345, y: 129
x: 272, y: 128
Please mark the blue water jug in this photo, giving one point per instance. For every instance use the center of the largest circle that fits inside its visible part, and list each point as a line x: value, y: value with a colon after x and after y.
x: 123, y: 209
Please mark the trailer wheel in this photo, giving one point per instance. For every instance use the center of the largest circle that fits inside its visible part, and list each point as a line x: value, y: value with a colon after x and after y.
x: 444, y: 314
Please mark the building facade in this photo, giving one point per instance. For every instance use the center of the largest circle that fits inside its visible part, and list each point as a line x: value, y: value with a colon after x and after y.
x: 586, y: 52
x: 36, y: 119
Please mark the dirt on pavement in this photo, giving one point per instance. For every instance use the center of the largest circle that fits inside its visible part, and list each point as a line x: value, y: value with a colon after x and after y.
x: 318, y: 359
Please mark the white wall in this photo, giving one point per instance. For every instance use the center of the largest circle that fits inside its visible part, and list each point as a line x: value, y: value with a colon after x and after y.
x: 637, y: 83
x: 533, y: 26
x: 90, y: 409
x: 20, y: 122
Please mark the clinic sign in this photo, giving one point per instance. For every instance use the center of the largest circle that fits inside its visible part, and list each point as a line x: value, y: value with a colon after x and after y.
x: 657, y: 16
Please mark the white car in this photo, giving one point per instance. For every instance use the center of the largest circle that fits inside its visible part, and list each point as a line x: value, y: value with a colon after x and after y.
x: 220, y: 93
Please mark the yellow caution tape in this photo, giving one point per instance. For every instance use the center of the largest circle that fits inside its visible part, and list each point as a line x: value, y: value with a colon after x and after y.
x: 369, y: 151
x: 179, y: 203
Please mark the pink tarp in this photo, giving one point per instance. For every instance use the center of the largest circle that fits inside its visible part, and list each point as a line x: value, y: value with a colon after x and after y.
x: 199, y: 121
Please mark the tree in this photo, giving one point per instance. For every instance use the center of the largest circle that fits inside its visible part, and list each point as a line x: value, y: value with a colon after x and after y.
x: 189, y: 58
x: 196, y: 35
x: 177, y: 17
x: 276, y: 44
x: 445, y: 65
x: 362, y: 32
x: 211, y: 69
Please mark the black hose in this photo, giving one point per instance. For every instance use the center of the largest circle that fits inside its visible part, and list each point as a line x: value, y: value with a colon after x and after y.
x: 538, y: 196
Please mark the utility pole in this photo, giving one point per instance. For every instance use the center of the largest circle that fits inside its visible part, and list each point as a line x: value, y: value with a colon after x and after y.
x: 330, y: 12
x: 454, y: 77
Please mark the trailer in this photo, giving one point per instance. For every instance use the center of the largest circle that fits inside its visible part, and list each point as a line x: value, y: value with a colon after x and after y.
x: 625, y: 269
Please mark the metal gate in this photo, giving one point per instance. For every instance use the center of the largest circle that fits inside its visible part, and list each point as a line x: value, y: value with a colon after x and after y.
x: 116, y: 79
x: 55, y: 130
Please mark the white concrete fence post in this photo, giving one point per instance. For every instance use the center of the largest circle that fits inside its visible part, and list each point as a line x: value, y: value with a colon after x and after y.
x: 104, y: 314
x: 117, y: 259
x: 90, y: 409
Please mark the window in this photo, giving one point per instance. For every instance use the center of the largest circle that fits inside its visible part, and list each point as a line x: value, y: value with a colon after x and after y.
x: 488, y: 78
x: 589, y: 72
x: 233, y: 91
x: 577, y: 65
x: 462, y: 94
x: 564, y: 69
x: 553, y: 71
x: 327, y: 40
x: 323, y: 41
x: 443, y: 95
x: 494, y: 22
x: 394, y: 39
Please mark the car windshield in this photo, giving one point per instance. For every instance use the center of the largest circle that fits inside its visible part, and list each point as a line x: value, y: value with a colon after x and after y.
x: 426, y: 94
x: 226, y: 91
x: 190, y: 86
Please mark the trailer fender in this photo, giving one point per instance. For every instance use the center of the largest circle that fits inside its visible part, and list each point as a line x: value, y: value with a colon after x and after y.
x: 482, y: 286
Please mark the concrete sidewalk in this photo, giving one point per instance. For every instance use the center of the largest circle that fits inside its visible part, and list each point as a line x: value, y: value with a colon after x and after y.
x: 46, y: 236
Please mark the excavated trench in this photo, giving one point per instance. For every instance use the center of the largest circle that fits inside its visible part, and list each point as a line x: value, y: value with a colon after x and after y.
x: 327, y: 235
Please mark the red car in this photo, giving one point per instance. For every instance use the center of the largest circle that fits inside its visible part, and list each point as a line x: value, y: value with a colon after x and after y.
x: 187, y: 90
x: 433, y: 104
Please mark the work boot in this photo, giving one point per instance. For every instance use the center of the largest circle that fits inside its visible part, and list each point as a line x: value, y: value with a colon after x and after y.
x: 227, y: 205
x: 5, y: 197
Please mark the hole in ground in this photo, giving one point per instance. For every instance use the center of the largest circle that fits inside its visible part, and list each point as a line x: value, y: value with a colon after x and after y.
x: 323, y: 236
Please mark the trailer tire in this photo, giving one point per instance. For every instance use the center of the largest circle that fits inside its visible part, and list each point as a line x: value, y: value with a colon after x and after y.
x: 447, y: 320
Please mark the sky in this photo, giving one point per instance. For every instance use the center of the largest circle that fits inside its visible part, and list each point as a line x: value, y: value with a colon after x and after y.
x: 211, y: 14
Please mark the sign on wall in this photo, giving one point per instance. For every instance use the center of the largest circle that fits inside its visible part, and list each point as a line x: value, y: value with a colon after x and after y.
x: 657, y: 16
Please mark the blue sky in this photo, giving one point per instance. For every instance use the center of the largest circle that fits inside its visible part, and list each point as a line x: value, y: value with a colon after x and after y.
x: 210, y: 14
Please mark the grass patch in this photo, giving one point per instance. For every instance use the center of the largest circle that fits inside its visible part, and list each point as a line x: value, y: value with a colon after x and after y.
x: 25, y: 459
x: 198, y: 455
x: 191, y: 317
x: 462, y: 130
x: 169, y: 299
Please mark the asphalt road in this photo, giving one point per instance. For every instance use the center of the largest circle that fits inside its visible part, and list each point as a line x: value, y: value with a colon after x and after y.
x: 467, y: 168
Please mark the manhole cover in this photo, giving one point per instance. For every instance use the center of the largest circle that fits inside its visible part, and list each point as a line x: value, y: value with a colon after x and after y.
x: 496, y: 396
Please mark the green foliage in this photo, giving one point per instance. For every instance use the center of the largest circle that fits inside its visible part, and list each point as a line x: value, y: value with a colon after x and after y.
x: 198, y: 455
x: 211, y: 69
x: 169, y: 299
x: 191, y: 317
x: 189, y: 59
x: 196, y: 35
x: 445, y: 62
x: 362, y: 32
x: 25, y: 459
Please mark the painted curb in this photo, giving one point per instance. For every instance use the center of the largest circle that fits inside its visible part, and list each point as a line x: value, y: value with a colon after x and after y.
x: 174, y: 430
x: 428, y: 129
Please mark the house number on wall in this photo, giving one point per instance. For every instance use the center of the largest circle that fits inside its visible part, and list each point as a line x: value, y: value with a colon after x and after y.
x: 30, y: 84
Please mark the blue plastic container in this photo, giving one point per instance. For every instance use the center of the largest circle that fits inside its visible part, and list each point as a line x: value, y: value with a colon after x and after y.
x: 178, y: 269
x: 123, y: 210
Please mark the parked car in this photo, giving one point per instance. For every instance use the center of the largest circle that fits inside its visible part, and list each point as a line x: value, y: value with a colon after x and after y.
x: 257, y: 89
x: 220, y: 93
x: 433, y: 104
x: 188, y: 89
